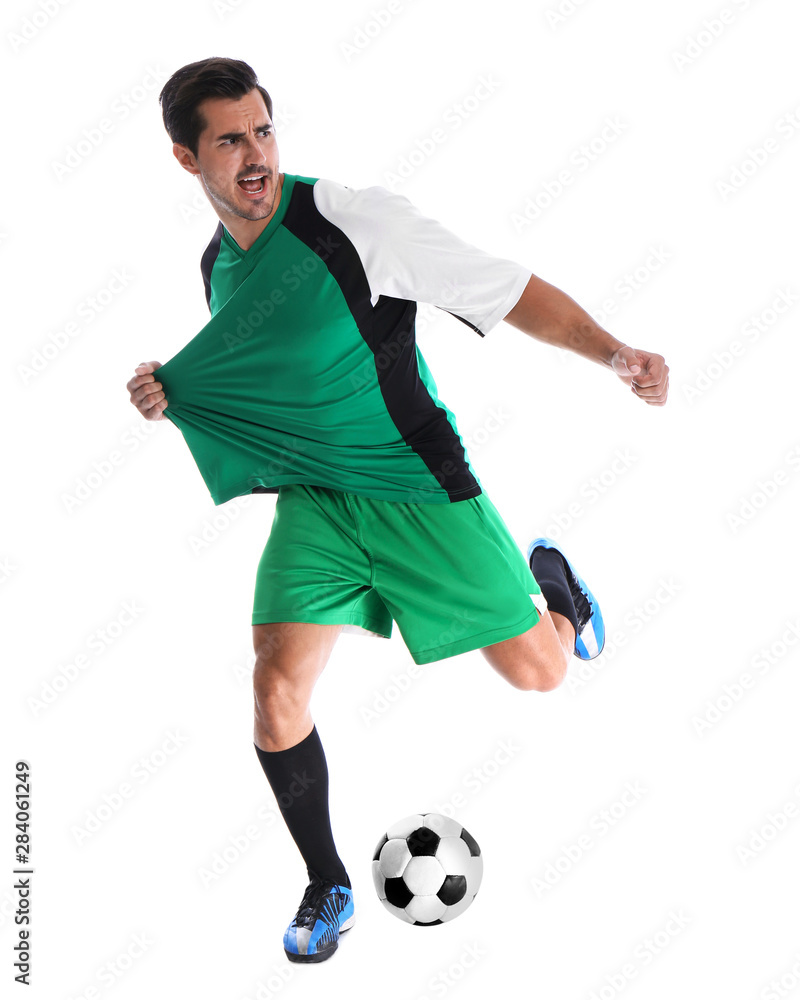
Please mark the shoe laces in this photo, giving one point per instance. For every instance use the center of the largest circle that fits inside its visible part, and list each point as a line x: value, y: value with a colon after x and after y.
x: 583, y: 608
x: 313, y: 897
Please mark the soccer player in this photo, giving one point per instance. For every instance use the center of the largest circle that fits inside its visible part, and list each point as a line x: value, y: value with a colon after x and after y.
x: 307, y: 382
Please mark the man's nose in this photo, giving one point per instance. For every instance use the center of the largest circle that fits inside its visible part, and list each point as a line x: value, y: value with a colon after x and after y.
x: 255, y: 153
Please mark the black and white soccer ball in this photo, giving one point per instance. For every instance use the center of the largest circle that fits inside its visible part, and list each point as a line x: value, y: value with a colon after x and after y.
x: 427, y: 869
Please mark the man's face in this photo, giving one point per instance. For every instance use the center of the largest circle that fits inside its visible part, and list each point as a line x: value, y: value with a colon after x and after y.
x: 238, y: 142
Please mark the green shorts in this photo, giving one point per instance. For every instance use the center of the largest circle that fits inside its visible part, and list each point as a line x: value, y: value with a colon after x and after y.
x: 450, y: 575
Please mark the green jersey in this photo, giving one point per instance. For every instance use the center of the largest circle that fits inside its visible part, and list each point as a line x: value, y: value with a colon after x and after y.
x: 308, y: 370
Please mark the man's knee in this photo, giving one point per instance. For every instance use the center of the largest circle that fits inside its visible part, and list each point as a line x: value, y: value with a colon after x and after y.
x: 279, y: 698
x: 275, y: 694
x: 548, y: 680
x: 536, y: 675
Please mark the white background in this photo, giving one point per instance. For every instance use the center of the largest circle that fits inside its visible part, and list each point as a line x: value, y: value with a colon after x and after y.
x: 692, y: 596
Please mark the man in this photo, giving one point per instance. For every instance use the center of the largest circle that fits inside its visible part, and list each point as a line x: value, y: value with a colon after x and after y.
x: 307, y: 382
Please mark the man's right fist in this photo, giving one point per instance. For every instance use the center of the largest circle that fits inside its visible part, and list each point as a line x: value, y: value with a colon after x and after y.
x: 146, y: 394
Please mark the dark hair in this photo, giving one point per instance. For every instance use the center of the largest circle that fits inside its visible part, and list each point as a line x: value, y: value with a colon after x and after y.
x: 194, y: 83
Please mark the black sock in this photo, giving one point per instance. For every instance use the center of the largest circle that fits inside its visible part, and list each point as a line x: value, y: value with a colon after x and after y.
x: 299, y: 778
x: 550, y: 572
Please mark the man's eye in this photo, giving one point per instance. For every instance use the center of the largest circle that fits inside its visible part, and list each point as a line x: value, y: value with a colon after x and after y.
x: 263, y: 131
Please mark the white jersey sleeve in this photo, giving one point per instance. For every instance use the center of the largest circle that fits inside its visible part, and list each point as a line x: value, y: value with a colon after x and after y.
x: 407, y: 255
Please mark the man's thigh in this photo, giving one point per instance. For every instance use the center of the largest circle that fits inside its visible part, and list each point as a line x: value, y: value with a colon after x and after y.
x: 293, y: 648
x: 313, y: 568
x: 290, y: 656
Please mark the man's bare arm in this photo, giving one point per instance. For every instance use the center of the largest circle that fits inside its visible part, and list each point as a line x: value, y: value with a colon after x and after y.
x: 547, y: 314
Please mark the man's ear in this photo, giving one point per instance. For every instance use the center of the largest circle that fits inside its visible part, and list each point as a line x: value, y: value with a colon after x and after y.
x: 185, y: 157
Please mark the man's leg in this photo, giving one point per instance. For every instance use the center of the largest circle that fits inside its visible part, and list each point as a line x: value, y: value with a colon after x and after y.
x: 290, y: 656
x: 537, y: 660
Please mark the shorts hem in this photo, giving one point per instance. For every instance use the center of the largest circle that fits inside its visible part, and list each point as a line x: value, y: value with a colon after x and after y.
x: 321, y: 618
x: 470, y: 642
x: 420, y: 494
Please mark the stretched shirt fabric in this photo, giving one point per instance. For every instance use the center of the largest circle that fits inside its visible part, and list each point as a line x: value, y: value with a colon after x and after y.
x: 308, y: 370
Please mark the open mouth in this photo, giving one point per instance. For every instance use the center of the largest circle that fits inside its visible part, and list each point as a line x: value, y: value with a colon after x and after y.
x: 253, y: 185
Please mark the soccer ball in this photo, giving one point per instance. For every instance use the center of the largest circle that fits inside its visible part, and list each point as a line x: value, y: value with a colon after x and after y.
x: 427, y: 869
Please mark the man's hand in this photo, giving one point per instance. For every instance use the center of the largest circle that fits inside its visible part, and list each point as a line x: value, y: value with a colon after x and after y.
x: 547, y: 314
x: 646, y: 374
x: 146, y: 394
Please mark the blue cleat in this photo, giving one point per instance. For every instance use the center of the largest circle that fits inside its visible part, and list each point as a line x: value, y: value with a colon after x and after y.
x: 591, y: 635
x: 325, y: 910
